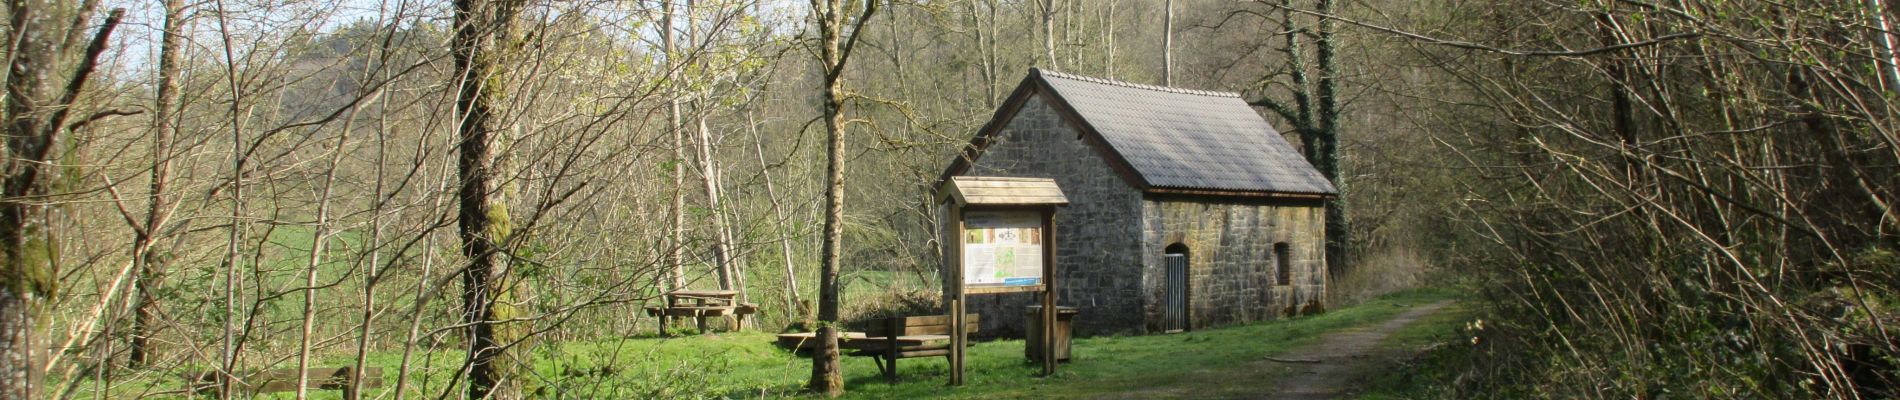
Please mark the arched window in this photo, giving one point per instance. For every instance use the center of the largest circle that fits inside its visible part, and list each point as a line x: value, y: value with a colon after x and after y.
x: 1283, y: 261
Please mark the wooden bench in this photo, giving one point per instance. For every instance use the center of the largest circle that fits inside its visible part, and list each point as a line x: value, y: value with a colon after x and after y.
x: 285, y: 380
x: 890, y: 339
x: 737, y: 314
x: 702, y: 304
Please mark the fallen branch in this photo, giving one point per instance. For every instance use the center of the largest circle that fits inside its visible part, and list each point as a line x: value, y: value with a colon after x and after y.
x: 1292, y: 360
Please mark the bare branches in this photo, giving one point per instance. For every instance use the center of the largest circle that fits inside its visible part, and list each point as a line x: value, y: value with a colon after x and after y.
x: 1491, y: 49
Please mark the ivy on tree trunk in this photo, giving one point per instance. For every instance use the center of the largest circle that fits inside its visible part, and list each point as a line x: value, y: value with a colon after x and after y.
x: 483, y: 30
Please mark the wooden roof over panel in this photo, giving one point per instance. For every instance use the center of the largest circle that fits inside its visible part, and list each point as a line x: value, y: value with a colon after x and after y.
x: 989, y: 190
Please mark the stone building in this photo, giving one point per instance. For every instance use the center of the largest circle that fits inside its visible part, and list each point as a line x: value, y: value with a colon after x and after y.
x: 1187, y: 209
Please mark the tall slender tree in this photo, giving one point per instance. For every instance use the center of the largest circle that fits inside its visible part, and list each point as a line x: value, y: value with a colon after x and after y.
x: 150, y: 258
x: 676, y: 214
x: 1048, y: 8
x: 835, y: 50
x: 1167, y: 44
x: 484, y: 32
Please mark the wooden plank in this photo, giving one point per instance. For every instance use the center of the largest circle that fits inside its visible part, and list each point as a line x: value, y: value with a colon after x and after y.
x: 937, y: 352
x: 1002, y: 289
x: 993, y: 188
x: 705, y: 293
x: 917, y: 330
x: 1019, y: 191
x: 937, y: 319
x: 876, y: 342
x: 858, y: 341
x: 694, y: 311
x: 965, y: 190
x: 809, y: 340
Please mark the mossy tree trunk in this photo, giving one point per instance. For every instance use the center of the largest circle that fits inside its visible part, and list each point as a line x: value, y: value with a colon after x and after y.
x: 1314, y: 113
x: 483, y: 31
x: 35, y: 113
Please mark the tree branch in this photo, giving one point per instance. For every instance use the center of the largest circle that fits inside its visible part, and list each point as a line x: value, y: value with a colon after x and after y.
x: 78, y: 83
x: 857, y: 30
x: 1280, y: 109
x: 1515, y: 52
x: 95, y: 117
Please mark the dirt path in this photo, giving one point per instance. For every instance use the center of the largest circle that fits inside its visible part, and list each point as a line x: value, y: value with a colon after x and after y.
x: 1342, y: 359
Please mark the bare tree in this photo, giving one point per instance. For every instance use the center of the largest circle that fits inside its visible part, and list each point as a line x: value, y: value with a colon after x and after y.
x: 1167, y: 45
x: 1048, y: 8
x: 676, y: 214
x: 150, y: 258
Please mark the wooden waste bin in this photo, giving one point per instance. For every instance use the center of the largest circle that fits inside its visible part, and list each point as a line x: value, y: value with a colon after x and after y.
x: 1065, y: 321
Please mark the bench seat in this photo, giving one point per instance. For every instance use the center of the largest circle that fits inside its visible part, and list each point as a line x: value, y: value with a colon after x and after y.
x: 927, y: 336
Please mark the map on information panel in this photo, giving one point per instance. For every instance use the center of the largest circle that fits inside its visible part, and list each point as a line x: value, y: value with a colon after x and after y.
x: 1002, y: 248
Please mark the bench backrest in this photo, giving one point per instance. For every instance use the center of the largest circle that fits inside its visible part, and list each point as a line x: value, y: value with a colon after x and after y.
x: 925, y: 325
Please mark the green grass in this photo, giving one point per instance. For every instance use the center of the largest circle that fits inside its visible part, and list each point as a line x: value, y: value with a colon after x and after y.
x: 1220, y: 362
x: 1209, y: 363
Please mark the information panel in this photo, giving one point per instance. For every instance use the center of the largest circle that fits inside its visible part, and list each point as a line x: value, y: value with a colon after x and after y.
x: 1002, y: 248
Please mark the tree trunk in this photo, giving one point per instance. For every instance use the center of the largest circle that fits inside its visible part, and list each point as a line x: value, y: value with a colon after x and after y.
x: 1326, y: 155
x: 148, y: 255
x: 1886, y: 59
x: 676, y: 216
x: 826, y: 374
x: 1049, y: 33
x: 483, y: 30
x: 1108, y: 36
x: 35, y: 114
x: 778, y: 216
x: 1167, y: 45
x: 722, y: 233
x: 1314, y: 113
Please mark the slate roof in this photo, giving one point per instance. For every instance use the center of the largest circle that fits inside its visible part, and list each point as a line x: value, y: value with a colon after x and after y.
x: 1172, y: 139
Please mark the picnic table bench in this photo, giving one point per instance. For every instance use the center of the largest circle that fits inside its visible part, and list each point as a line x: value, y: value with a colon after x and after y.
x: 702, y: 304
x: 889, y: 339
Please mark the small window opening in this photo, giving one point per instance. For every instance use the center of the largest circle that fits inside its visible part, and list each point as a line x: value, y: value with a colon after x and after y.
x: 1283, y: 259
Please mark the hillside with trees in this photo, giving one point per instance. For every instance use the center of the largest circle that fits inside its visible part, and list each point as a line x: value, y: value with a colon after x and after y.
x: 1639, y: 198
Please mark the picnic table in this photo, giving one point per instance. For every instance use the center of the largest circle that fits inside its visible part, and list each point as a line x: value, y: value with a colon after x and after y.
x: 702, y: 304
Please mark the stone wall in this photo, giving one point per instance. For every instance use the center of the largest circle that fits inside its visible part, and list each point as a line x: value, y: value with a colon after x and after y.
x: 1098, y: 234
x: 1232, y: 273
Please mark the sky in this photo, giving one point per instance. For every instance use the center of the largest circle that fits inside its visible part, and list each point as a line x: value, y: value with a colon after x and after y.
x: 135, y: 42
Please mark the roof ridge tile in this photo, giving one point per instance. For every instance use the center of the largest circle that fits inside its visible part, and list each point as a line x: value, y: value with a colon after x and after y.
x: 1105, y: 81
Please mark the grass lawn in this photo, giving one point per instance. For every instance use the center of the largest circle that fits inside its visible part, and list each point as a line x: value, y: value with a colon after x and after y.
x: 1216, y: 362
x: 1208, y: 363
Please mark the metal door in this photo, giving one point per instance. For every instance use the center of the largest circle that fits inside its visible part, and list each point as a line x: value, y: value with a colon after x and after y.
x: 1174, y: 307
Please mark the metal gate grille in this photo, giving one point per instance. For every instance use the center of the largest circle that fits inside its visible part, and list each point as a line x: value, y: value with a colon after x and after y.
x: 1175, y: 305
